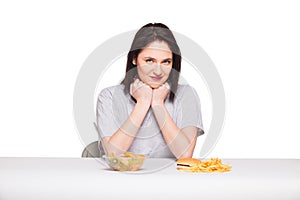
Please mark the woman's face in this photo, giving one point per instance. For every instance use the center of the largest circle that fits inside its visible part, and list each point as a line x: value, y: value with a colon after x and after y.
x: 154, y: 63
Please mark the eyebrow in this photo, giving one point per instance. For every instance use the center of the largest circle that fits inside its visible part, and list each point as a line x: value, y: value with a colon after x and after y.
x: 168, y: 59
x: 149, y: 57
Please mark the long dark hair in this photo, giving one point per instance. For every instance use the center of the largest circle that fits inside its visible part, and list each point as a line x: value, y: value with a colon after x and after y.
x: 149, y: 33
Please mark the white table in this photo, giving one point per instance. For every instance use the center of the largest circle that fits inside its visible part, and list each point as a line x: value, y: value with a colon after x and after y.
x: 87, y: 179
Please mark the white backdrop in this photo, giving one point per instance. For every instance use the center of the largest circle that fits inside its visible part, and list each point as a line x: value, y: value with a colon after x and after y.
x: 255, y: 46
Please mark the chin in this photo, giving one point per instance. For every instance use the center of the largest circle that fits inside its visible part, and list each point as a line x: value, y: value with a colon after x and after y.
x: 155, y: 86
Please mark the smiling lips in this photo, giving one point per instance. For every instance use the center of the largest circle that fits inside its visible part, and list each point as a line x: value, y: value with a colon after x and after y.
x: 156, y: 78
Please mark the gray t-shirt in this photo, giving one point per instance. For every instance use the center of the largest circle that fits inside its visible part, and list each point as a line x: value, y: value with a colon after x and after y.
x: 114, y: 107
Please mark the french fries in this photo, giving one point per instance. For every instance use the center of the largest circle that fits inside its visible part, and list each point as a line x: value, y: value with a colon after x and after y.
x: 208, y: 166
x: 213, y: 165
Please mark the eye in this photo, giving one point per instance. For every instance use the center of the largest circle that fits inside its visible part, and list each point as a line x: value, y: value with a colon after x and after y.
x: 167, y: 62
x: 149, y: 60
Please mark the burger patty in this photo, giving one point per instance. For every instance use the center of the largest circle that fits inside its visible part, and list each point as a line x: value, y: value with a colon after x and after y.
x: 183, y: 165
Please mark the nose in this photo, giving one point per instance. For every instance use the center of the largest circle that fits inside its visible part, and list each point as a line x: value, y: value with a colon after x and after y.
x: 157, y: 70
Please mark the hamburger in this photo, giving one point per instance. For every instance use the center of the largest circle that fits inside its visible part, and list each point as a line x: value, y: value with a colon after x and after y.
x: 188, y: 164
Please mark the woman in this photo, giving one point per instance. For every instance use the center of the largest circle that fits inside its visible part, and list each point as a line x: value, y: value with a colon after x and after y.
x: 149, y: 112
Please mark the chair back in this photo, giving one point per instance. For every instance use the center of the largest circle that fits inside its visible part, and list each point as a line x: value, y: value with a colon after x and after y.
x: 94, y: 150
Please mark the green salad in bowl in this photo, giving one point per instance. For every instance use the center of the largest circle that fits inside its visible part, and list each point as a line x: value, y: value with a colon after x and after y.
x: 125, y: 162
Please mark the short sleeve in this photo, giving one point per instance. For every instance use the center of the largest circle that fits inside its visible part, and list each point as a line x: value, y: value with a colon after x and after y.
x: 188, y: 109
x: 106, y: 122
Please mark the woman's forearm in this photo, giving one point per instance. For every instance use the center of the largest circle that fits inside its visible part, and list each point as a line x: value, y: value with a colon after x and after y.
x: 177, y: 140
x: 122, y: 139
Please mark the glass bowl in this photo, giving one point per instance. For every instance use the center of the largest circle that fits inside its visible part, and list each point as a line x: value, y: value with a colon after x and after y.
x: 125, y: 162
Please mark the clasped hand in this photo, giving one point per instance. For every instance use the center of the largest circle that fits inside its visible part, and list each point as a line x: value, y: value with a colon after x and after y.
x: 144, y: 94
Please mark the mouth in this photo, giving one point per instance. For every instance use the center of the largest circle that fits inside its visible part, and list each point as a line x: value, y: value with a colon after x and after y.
x: 156, y: 78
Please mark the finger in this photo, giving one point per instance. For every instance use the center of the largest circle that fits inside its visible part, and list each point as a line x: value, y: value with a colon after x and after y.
x: 130, y: 89
x: 135, y: 85
x: 142, y: 81
x: 162, y: 87
x: 167, y: 85
x: 148, y: 86
x: 136, y: 81
x: 141, y: 84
